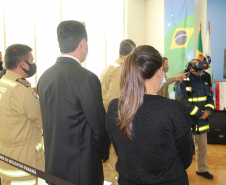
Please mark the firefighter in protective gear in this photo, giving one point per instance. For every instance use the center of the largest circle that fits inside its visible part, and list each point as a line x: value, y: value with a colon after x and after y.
x: 196, y: 95
x: 20, y: 118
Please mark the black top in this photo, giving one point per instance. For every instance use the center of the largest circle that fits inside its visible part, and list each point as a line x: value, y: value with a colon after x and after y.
x: 162, y: 144
x: 74, y: 123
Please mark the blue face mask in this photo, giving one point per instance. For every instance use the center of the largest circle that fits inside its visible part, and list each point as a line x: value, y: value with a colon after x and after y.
x: 163, y: 80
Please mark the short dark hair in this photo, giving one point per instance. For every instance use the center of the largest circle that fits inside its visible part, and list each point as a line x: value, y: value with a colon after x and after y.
x: 15, y: 53
x: 126, y: 47
x: 69, y: 35
x: 163, y: 60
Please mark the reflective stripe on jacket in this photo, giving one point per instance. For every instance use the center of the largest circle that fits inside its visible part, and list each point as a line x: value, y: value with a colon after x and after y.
x: 27, y: 182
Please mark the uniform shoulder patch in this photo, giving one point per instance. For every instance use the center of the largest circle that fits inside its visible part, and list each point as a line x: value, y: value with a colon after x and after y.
x: 24, y: 82
x: 35, y: 95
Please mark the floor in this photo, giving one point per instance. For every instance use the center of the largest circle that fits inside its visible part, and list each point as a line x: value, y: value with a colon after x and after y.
x: 217, y: 166
x: 216, y: 159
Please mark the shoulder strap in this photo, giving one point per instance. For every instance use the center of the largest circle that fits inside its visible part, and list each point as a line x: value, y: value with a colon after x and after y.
x: 24, y: 82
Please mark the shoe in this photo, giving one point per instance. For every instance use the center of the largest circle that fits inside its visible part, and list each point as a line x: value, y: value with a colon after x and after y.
x: 206, y: 175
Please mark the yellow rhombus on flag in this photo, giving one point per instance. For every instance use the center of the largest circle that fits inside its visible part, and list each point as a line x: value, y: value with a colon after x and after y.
x: 181, y: 37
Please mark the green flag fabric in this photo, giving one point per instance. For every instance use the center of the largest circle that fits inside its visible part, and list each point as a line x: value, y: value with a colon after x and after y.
x: 199, y: 50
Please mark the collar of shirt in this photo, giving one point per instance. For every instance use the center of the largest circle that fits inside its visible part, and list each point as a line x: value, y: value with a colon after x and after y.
x: 120, y: 61
x: 71, y: 57
x: 13, y: 74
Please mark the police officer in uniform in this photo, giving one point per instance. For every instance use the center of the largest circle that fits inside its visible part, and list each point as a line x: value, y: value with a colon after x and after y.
x: 196, y: 95
x: 110, y: 77
x: 20, y: 117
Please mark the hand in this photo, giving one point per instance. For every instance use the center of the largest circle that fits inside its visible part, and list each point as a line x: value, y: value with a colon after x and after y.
x: 215, y: 80
x: 205, y: 115
x: 181, y: 77
x: 211, y: 88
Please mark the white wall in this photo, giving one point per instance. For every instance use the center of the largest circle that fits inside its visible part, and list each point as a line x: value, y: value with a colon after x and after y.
x: 135, y: 21
x: 144, y: 22
x: 200, y: 17
x: 154, y: 24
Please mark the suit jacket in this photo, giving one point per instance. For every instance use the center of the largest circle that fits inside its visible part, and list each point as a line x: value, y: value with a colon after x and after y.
x: 75, y: 136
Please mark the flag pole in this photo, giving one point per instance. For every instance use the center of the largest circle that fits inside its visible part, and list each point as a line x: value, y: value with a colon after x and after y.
x: 209, y: 26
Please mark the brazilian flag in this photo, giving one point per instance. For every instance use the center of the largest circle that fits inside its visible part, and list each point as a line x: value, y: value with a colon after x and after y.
x: 199, y: 50
x: 179, y: 35
x: 181, y: 38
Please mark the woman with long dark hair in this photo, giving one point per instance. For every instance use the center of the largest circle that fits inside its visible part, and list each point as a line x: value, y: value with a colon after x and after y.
x: 151, y: 134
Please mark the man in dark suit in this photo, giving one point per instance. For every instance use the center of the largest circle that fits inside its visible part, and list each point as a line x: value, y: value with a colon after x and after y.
x: 75, y: 138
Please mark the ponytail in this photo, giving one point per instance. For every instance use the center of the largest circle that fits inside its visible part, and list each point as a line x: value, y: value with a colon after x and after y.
x: 140, y: 65
x: 132, y: 88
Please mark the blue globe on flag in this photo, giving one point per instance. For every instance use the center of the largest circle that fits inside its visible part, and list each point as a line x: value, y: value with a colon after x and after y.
x: 208, y: 59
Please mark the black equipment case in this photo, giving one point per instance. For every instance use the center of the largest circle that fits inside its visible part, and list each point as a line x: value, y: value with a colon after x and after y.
x: 217, y: 134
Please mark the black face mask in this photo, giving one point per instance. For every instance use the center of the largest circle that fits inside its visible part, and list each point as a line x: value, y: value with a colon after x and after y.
x: 32, y: 69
